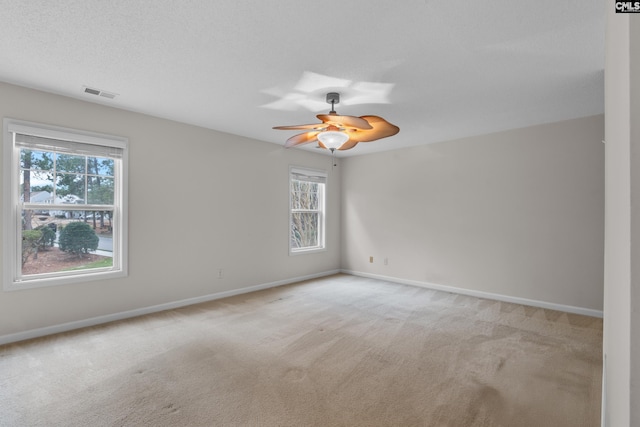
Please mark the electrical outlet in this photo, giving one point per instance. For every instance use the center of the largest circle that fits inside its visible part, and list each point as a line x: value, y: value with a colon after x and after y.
x: 220, y: 274
x: 386, y: 261
x: 371, y: 259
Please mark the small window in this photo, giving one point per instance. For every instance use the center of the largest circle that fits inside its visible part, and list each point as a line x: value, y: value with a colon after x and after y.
x: 306, y: 210
x: 65, y: 205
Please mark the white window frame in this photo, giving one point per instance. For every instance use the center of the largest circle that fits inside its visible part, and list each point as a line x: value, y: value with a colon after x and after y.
x: 312, y: 175
x: 12, y: 206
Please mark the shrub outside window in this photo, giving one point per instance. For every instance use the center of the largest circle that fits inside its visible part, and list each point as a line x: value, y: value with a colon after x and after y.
x: 65, y: 205
x: 307, y: 210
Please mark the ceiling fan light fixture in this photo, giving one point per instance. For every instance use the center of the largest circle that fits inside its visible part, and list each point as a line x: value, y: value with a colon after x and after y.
x: 333, y: 139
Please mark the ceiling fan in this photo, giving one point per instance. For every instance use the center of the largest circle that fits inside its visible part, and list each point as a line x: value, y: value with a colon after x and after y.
x: 340, y: 132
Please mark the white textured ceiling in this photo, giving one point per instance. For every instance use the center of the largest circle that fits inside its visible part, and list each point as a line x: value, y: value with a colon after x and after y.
x: 437, y: 69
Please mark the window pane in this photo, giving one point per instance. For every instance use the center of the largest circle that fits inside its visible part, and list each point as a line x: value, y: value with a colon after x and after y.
x: 304, y: 195
x: 34, y: 185
x: 32, y: 159
x: 100, y: 190
x: 70, y: 188
x: 70, y: 163
x: 58, y: 241
x: 100, y: 166
x: 304, y: 229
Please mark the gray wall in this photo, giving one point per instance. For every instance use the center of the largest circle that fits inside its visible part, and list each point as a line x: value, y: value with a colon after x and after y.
x: 517, y: 213
x: 622, y: 260
x: 199, y: 200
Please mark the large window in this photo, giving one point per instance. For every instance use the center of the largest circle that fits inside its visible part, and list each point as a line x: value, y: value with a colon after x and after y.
x: 307, y: 207
x: 65, y: 205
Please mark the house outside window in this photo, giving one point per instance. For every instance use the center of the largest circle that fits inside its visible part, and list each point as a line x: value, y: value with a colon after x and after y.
x: 65, y: 196
x: 306, y: 210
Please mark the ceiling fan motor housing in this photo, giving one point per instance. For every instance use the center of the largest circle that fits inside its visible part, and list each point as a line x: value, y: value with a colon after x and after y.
x: 333, y: 98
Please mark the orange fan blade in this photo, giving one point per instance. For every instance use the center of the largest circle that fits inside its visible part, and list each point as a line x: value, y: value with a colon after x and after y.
x: 301, y: 138
x: 348, y: 145
x: 345, y: 121
x: 380, y: 129
x: 317, y: 126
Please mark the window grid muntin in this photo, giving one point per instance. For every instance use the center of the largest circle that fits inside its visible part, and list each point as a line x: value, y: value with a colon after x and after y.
x: 56, y: 172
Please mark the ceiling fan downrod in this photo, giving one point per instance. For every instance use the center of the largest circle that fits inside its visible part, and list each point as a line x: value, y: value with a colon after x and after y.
x: 333, y: 98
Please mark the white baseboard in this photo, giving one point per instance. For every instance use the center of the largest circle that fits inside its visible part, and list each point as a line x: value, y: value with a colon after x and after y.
x: 481, y: 294
x: 93, y: 321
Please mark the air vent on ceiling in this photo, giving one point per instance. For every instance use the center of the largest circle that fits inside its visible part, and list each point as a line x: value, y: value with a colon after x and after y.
x: 99, y: 92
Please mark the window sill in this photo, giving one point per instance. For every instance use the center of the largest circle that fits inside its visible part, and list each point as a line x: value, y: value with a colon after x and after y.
x: 306, y: 251
x: 44, y: 282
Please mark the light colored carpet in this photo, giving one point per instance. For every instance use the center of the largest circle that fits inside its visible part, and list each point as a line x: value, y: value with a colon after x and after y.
x: 338, y: 351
